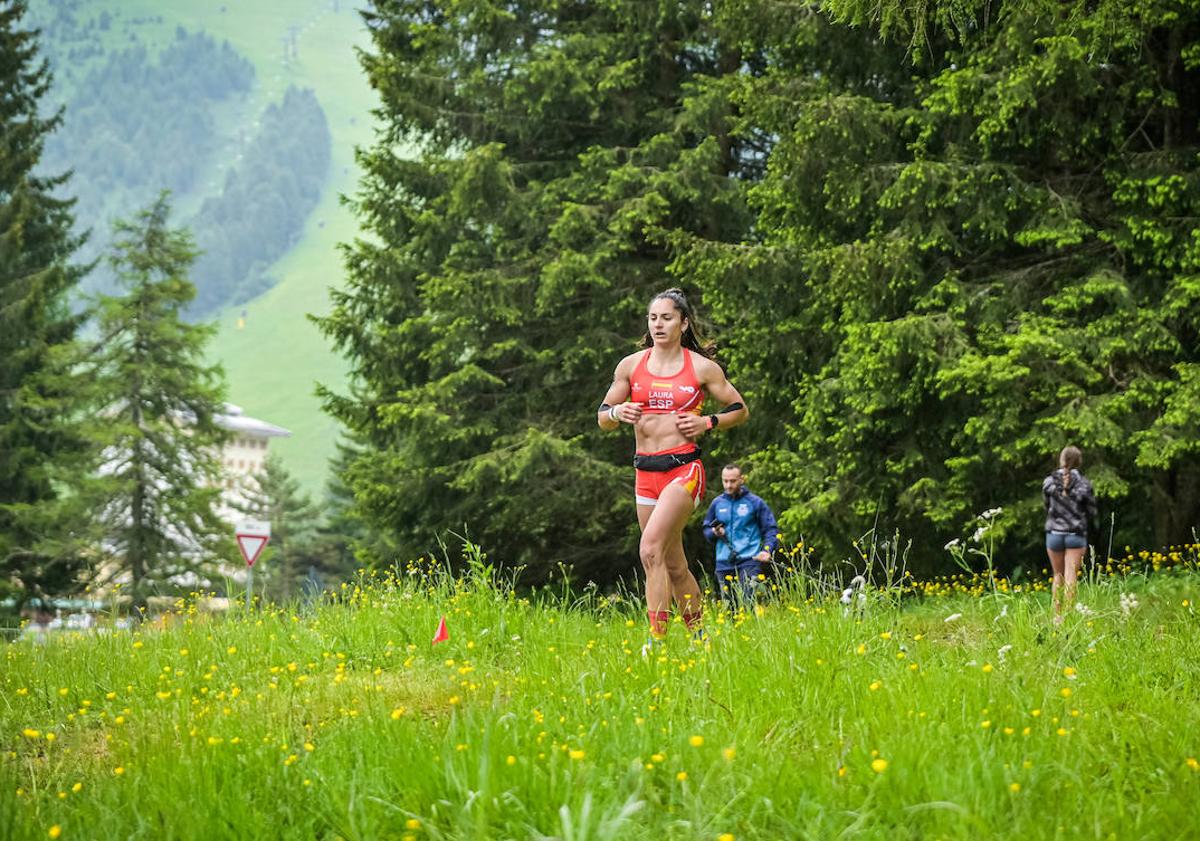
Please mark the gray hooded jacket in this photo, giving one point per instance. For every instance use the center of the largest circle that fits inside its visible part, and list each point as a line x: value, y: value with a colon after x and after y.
x: 1069, y: 509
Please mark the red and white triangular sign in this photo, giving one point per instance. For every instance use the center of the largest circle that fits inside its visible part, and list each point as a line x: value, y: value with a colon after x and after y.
x: 252, y: 537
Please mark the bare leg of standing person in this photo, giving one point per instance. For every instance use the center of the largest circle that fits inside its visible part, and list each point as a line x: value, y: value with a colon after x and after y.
x: 1072, y: 562
x: 1056, y: 583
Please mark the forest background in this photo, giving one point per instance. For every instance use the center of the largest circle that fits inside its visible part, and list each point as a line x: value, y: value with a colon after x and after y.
x: 935, y: 244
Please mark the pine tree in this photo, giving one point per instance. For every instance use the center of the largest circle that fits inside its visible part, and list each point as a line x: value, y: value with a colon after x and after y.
x: 158, y: 488
x: 971, y: 259
x: 40, y: 442
x: 939, y: 241
x: 511, y: 259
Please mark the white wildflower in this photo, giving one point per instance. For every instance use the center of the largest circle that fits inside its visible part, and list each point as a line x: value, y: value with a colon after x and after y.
x: 952, y: 545
x: 856, y: 583
x: 1002, y: 614
x: 990, y: 514
x: 1129, y: 603
x: 953, y: 617
x: 1083, y: 610
x: 979, y: 533
x: 1004, y: 649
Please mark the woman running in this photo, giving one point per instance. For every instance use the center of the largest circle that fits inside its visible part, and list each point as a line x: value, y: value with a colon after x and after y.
x: 659, y: 391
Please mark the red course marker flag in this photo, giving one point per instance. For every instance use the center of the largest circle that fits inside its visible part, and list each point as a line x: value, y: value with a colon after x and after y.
x: 441, y: 635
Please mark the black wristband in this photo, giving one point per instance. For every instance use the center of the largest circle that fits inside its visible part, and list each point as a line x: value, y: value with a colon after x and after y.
x: 712, y: 422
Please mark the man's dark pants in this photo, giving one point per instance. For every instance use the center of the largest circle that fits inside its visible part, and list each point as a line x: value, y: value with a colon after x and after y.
x: 738, y: 583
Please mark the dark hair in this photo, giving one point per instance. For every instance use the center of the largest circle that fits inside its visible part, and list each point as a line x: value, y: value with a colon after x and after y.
x: 732, y: 466
x: 691, y: 336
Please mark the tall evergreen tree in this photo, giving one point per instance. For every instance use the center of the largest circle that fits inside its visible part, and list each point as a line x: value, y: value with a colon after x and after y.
x: 40, y: 440
x: 158, y: 488
x: 939, y: 240
x: 979, y: 264
x: 511, y: 261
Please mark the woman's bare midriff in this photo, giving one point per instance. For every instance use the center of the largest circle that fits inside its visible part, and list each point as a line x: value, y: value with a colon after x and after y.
x: 655, y: 433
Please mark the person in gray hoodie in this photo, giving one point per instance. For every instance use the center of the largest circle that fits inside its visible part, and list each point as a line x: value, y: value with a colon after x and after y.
x: 1070, y: 507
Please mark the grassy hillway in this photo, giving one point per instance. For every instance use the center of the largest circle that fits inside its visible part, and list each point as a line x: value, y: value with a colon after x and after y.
x: 959, y: 713
x: 273, y: 363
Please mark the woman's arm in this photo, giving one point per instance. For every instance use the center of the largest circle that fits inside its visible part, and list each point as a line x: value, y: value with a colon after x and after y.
x: 615, y: 407
x: 712, y: 380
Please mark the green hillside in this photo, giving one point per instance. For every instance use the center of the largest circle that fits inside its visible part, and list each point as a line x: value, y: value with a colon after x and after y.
x: 273, y: 361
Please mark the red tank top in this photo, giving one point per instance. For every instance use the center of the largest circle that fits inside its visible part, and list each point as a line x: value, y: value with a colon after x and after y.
x: 660, y: 395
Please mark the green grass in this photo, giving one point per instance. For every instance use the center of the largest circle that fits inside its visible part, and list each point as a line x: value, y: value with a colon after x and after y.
x: 272, y: 364
x: 540, y: 718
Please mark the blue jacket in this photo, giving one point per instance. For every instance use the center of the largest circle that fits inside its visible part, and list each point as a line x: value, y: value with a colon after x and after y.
x: 749, y: 527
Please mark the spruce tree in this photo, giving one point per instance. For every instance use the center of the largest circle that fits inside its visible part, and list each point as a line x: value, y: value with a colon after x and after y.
x: 510, y: 261
x: 41, y: 446
x: 967, y: 258
x: 158, y: 489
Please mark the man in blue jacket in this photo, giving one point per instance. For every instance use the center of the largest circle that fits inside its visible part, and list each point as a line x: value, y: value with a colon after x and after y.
x: 744, y: 529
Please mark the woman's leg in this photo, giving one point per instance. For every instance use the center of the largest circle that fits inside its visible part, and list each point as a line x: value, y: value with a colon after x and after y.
x: 684, y: 587
x: 662, y: 555
x: 1056, y: 582
x: 1073, y: 561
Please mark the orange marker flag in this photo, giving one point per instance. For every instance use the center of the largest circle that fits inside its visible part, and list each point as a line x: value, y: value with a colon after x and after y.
x: 441, y: 635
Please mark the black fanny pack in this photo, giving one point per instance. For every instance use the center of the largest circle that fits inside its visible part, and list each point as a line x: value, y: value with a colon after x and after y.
x: 662, y: 462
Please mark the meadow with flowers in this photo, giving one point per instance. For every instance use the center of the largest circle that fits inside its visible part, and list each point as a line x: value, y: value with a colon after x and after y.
x: 943, y: 709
